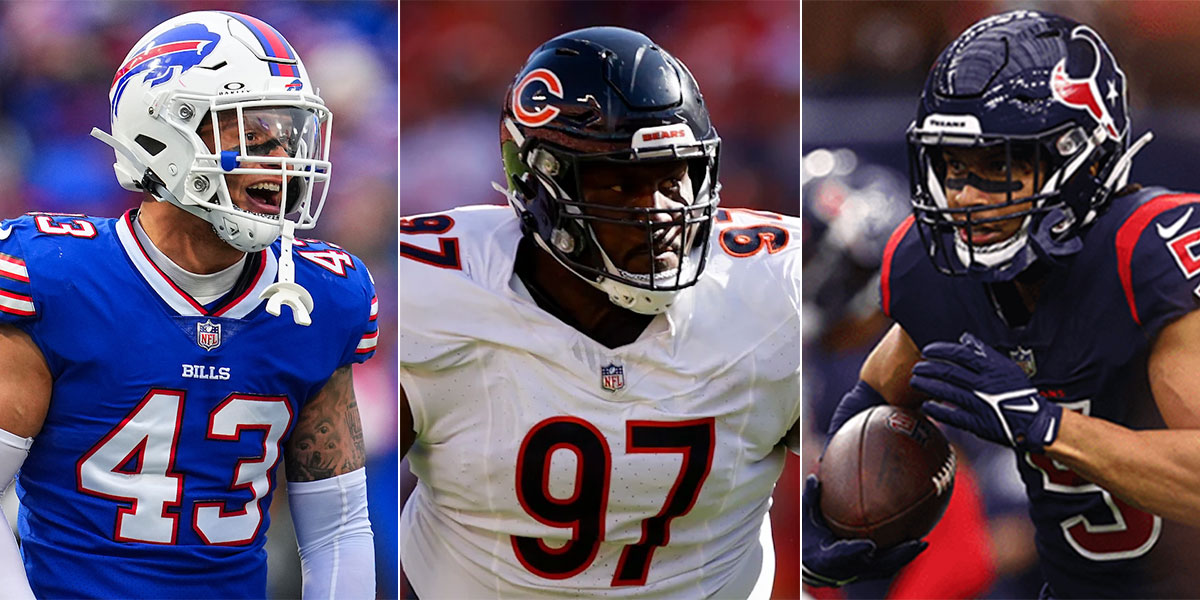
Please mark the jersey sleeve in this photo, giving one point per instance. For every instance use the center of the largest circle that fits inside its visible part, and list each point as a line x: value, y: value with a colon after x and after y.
x: 365, y: 338
x: 1158, y: 260
x: 431, y: 300
x: 17, y: 304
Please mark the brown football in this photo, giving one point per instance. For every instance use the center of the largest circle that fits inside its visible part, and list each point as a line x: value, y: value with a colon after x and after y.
x: 886, y: 476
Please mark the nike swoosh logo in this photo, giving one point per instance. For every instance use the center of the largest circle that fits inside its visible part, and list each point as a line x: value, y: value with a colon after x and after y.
x: 1170, y: 230
x: 1032, y: 407
x: 5, y: 232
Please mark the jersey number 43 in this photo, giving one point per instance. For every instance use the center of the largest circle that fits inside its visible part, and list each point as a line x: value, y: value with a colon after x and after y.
x: 134, y: 464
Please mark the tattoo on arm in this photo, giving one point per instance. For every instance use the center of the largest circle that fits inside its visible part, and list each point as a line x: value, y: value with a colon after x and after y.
x: 328, y: 439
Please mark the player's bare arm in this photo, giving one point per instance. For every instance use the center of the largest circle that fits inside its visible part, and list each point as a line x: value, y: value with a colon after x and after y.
x: 25, y: 383
x: 328, y: 439
x: 1166, y: 462
x: 889, y: 367
x: 25, y: 388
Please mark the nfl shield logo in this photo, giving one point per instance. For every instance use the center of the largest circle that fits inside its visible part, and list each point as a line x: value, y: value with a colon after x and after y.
x: 612, y: 377
x: 208, y: 334
x: 1024, y: 359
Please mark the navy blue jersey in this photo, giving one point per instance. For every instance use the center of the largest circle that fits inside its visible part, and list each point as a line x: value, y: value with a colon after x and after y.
x: 153, y: 473
x: 1085, y: 347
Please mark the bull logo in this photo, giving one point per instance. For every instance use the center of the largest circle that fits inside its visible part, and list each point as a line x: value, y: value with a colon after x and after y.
x: 541, y: 115
x: 1085, y: 94
x: 166, y: 56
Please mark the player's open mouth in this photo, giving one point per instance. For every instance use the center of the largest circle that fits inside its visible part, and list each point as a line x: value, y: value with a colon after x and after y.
x: 264, y: 198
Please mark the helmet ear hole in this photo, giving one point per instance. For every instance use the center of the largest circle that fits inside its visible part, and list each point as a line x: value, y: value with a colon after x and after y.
x: 149, y: 144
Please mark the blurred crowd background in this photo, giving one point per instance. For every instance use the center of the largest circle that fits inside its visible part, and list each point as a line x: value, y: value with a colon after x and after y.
x: 863, y: 69
x: 57, y: 61
x: 457, y: 58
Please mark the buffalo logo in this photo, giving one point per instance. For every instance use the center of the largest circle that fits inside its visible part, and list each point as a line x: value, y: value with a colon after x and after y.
x: 294, y: 86
x: 1024, y: 359
x: 1085, y: 93
x: 612, y: 377
x: 166, y: 56
x: 536, y: 117
x: 208, y: 334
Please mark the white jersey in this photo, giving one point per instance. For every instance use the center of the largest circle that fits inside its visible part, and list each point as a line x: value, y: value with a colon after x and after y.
x: 553, y: 466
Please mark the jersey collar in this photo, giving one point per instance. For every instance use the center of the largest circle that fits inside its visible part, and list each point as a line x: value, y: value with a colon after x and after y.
x: 240, y: 302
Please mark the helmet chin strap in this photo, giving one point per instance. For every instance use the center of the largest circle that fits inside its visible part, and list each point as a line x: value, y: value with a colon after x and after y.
x: 285, y: 290
x: 1120, y: 173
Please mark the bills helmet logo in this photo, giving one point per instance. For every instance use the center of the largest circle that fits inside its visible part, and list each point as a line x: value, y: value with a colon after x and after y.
x: 1106, y: 106
x: 612, y: 377
x: 541, y: 115
x: 294, y: 86
x: 208, y: 334
x: 166, y: 56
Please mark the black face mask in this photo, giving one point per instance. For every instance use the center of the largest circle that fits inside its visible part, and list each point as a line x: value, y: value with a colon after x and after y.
x: 990, y: 186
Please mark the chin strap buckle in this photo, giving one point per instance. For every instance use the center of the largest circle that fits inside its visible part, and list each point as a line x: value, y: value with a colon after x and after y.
x: 285, y: 290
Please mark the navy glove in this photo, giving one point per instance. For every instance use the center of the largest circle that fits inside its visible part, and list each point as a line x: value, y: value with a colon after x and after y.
x: 859, y: 398
x: 832, y: 562
x: 979, y: 390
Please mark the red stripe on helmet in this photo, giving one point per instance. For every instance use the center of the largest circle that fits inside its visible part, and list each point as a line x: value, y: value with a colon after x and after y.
x: 154, y: 53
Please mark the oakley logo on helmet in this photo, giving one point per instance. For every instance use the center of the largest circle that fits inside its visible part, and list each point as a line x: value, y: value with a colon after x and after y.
x: 1085, y: 93
x: 165, y: 56
x: 543, y: 114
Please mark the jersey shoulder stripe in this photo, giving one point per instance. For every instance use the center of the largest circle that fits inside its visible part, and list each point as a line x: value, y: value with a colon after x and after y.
x: 1130, y: 233
x: 343, y: 288
x: 22, y: 241
x: 889, y: 252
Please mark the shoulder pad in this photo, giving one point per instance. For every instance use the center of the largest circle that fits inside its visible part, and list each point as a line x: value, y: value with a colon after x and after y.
x: 1157, y: 246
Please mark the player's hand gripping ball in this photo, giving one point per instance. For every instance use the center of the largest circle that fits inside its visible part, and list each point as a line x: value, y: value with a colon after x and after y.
x: 886, y: 476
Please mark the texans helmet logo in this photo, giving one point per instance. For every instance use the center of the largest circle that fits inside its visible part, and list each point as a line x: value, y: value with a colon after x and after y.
x: 1085, y: 93
x: 165, y: 57
x: 539, y: 116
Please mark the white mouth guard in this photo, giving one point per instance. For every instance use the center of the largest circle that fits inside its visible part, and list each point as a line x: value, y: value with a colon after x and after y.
x: 285, y: 291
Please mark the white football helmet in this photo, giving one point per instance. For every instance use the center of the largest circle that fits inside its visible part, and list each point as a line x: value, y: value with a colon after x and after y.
x: 235, y: 79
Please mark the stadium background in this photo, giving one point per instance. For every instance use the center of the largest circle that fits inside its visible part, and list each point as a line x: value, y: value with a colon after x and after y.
x: 864, y: 64
x: 457, y: 58
x: 57, y: 61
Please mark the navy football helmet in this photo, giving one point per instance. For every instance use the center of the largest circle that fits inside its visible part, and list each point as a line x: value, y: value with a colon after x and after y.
x: 1044, y: 90
x: 608, y: 96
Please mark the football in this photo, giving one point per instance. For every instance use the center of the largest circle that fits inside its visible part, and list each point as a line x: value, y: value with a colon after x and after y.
x: 886, y: 476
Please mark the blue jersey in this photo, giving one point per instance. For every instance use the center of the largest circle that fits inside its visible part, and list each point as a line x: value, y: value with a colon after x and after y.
x: 153, y: 473
x: 1085, y: 347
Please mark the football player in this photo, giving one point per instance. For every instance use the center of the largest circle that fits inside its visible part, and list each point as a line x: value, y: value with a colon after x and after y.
x: 158, y: 366
x: 1044, y: 303
x: 600, y: 378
